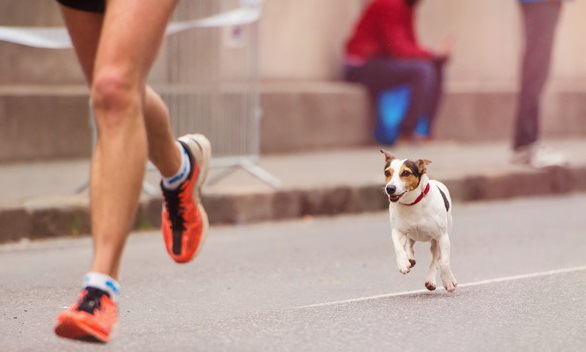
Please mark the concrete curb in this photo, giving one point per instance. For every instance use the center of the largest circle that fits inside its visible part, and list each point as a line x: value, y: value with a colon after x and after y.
x: 70, y: 216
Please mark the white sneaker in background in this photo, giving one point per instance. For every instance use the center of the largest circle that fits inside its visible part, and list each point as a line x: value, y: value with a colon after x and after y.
x: 538, y: 156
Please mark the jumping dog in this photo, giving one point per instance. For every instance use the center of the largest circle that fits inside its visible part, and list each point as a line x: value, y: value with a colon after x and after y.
x: 420, y: 209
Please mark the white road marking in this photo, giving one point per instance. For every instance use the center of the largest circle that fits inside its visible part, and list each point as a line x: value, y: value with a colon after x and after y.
x: 468, y: 284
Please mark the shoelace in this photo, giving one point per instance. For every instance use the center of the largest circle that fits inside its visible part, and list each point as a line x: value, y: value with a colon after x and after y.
x: 92, y: 300
x: 175, y: 210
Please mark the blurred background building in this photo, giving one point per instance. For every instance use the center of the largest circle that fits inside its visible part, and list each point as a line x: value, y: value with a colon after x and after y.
x: 305, y: 104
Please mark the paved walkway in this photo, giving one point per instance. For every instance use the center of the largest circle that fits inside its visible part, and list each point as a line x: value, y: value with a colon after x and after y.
x: 39, y: 199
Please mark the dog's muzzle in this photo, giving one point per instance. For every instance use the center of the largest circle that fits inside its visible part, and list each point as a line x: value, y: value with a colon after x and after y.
x: 390, y: 190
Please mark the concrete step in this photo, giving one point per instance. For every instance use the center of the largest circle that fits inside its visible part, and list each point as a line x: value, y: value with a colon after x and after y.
x: 51, y: 122
x: 314, y: 115
x: 44, y: 122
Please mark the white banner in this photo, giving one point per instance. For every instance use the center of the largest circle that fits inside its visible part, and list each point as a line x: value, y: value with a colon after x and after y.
x: 58, y: 38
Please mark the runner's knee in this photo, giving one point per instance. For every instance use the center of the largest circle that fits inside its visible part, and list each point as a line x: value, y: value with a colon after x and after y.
x: 113, y: 96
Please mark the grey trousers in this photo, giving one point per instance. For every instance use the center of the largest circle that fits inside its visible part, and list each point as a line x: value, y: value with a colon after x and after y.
x: 540, y: 21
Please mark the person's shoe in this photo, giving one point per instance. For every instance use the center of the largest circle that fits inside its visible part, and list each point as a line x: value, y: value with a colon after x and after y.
x: 537, y: 156
x: 91, y: 318
x: 184, y: 221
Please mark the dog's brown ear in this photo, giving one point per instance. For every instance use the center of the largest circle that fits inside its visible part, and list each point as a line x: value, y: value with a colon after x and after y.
x: 421, y: 165
x: 388, y: 156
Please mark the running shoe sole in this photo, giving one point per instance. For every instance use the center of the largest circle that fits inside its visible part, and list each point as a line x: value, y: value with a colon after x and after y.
x: 73, y: 326
x: 201, y: 149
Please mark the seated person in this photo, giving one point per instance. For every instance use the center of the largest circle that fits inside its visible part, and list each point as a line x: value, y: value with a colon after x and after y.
x: 383, y: 53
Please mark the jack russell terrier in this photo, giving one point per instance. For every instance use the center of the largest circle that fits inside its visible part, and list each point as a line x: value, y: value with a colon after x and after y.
x: 420, y: 210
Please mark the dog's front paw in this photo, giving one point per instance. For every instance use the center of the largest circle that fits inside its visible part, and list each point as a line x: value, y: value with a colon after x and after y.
x: 430, y: 285
x: 449, y: 282
x: 451, y: 287
x: 405, y: 270
x: 404, y: 266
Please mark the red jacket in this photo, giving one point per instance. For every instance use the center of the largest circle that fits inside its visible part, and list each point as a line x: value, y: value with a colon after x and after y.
x: 385, y: 28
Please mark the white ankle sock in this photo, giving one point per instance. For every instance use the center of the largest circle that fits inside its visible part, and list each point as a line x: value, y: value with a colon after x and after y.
x: 102, y: 282
x: 176, y: 180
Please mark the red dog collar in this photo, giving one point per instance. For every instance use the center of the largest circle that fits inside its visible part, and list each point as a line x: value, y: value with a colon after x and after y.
x: 425, y: 192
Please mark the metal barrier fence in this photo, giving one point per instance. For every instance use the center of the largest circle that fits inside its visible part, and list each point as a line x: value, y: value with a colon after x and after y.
x: 211, y: 81
x: 206, y: 72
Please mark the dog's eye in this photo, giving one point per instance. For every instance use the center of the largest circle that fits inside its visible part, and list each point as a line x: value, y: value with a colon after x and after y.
x: 387, y: 173
x: 405, y: 173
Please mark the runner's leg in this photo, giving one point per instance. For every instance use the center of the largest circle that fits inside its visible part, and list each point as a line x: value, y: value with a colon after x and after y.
x: 131, y: 35
x: 85, y: 28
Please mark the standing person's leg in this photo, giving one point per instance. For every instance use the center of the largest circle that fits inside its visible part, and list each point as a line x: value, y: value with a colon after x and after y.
x: 116, y: 51
x: 540, y: 20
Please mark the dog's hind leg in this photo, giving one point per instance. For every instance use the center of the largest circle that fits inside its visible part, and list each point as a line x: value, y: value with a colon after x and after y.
x: 399, y: 242
x: 432, y: 273
x: 448, y: 279
x: 410, y: 252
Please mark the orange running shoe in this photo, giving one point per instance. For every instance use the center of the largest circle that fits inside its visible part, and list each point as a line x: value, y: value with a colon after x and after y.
x: 184, y: 221
x: 91, y: 318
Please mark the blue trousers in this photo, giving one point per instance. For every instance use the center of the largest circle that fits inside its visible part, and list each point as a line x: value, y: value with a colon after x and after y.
x: 424, y: 78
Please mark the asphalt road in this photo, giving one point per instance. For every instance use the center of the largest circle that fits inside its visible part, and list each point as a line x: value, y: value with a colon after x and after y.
x: 326, y: 284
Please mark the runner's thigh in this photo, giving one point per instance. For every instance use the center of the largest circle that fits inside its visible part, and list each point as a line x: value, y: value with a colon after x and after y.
x: 132, y: 33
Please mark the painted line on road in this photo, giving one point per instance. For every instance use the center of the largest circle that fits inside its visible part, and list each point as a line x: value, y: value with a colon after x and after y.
x: 469, y: 284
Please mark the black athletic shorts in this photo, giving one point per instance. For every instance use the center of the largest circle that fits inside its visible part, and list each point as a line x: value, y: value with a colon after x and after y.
x: 98, y: 6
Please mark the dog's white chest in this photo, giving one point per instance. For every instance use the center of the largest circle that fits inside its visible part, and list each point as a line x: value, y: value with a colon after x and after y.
x: 419, y: 225
x: 418, y: 231
x: 421, y: 233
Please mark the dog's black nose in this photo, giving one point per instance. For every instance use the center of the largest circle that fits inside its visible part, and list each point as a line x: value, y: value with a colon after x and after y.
x: 391, y: 189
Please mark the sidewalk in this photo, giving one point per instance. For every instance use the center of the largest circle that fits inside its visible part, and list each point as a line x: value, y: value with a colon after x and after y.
x: 38, y: 200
